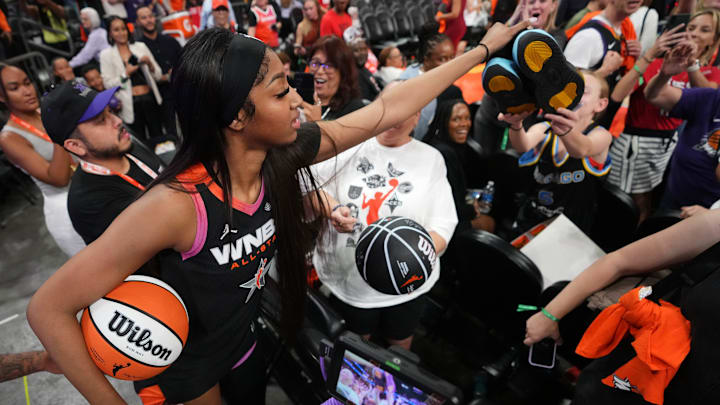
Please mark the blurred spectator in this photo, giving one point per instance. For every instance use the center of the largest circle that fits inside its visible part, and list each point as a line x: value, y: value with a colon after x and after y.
x: 435, y: 49
x: 568, y: 9
x: 645, y: 22
x: 448, y: 134
x: 194, y: 8
x: 62, y: 72
x: 369, y: 88
x: 97, y: 39
x: 264, y: 22
x: 221, y: 15
x: 50, y: 13
x: 93, y: 78
x: 454, y: 21
x: 592, y: 6
x: 569, y: 153
x: 641, y: 153
x: 286, y: 7
x: 308, y: 31
x: 336, y: 79
x: 477, y: 13
x: 285, y: 60
x: 114, y: 7
x: 5, y: 35
x: 691, y: 179
x: 541, y: 14
x: 392, y: 64
x: 26, y: 145
x: 121, y: 64
x: 336, y: 20
x: 206, y: 18
x: 166, y: 51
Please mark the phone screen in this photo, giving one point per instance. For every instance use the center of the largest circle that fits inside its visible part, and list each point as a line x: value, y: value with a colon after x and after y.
x: 542, y: 353
x: 676, y: 20
x: 305, y: 86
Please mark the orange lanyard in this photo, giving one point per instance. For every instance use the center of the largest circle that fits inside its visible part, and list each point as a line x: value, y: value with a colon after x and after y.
x: 104, y: 171
x: 40, y: 134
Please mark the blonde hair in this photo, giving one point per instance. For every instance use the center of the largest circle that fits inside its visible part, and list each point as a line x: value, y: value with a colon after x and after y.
x: 306, y: 25
x: 715, y: 16
x: 604, y: 86
x: 550, y: 23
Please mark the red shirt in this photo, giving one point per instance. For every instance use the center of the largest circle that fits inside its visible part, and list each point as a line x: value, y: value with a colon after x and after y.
x: 642, y: 114
x: 334, y: 24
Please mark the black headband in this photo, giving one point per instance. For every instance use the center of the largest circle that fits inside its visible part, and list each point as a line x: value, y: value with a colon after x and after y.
x: 240, y: 68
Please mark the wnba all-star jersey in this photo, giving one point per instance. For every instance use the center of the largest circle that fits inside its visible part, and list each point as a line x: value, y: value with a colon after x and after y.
x: 563, y: 184
x: 221, y: 278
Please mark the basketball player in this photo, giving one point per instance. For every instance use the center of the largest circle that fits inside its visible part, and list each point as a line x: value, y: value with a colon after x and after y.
x: 110, y: 176
x: 221, y: 210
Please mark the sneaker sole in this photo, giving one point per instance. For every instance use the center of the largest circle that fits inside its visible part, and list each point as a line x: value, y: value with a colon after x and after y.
x: 506, y: 88
x: 557, y: 83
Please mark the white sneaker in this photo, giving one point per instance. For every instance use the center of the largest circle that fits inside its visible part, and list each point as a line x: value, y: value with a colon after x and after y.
x: 164, y: 147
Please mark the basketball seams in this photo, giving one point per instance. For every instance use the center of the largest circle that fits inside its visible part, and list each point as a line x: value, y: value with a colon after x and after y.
x: 377, y: 233
x: 148, y: 315
x: 407, y: 245
x: 389, y: 265
x: 159, y: 283
x: 97, y: 329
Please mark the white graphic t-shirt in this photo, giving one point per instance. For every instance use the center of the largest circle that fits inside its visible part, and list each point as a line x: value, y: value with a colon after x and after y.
x: 376, y: 181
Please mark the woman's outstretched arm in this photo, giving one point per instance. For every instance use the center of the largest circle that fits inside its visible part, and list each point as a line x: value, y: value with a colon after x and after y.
x: 402, y: 101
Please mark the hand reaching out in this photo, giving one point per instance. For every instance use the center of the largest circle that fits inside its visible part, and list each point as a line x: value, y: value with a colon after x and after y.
x: 679, y: 58
x: 341, y: 219
x: 515, y: 120
x: 665, y: 42
x: 564, y: 121
x: 500, y: 34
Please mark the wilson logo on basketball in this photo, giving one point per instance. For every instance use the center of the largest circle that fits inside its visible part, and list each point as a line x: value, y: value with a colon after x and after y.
x: 122, y: 325
x: 427, y: 249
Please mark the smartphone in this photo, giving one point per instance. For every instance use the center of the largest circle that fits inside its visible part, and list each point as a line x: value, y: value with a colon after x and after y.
x: 305, y: 86
x: 676, y: 20
x: 542, y: 353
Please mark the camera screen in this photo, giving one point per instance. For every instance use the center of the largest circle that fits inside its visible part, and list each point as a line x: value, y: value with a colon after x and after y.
x: 363, y: 383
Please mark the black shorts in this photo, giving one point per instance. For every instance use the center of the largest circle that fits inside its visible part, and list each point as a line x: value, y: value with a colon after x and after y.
x: 397, y: 322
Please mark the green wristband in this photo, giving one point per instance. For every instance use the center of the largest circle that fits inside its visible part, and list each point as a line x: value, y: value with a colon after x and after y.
x: 549, y: 315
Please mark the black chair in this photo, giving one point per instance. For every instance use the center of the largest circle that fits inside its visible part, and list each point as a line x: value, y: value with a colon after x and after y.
x: 403, y: 23
x: 656, y: 223
x: 493, y: 278
x: 616, y: 218
x: 430, y: 10
x: 387, y: 23
x: 372, y: 28
x: 417, y: 17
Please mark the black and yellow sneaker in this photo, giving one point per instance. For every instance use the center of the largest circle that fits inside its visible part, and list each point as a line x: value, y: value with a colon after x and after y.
x: 557, y: 83
x: 503, y: 84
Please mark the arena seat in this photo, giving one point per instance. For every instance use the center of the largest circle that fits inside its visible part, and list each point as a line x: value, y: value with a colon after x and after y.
x: 403, y: 23
x: 417, y: 17
x: 372, y: 28
x: 429, y: 10
x: 493, y: 278
x: 656, y: 223
x: 616, y: 218
x: 387, y: 23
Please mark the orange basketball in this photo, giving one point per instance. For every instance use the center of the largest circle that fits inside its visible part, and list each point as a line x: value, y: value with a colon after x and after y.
x: 137, y: 330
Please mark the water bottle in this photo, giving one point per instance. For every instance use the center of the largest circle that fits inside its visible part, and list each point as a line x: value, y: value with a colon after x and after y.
x: 486, y: 197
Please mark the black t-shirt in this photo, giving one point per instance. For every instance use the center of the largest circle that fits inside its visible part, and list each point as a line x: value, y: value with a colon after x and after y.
x: 352, y: 105
x: 369, y: 87
x: 94, y: 200
x: 165, y: 49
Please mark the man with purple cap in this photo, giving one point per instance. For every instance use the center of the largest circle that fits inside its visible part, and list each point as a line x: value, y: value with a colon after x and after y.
x: 109, y: 177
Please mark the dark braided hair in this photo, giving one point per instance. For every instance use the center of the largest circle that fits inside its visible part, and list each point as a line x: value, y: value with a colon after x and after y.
x: 429, y: 39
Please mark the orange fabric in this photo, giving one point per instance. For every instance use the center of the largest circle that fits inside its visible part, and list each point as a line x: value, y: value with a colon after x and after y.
x: 628, y: 33
x: 662, y: 340
x: 618, y: 124
x: 471, y: 84
x: 493, y: 4
x: 177, y: 5
x: 4, y: 26
x: 152, y: 395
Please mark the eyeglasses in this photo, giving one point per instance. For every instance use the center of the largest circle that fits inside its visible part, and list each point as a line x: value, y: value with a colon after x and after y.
x: 316, y: 65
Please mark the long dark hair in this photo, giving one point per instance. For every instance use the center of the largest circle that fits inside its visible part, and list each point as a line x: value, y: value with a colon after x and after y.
x: 197, y: 86
x: 438, y: 130
x: 339, y: 55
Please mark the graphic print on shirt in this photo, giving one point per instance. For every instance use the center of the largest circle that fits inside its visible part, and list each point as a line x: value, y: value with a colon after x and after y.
x: 268, y: 207
x: 393, y: 172
x: 244, y: 250
x: 376, y: 202
x: 393, y: 203
x: 710, y: 143
x: 354, y: 192
x: 375, y: 181
x: 365, y: 166
x: 257, y: 282
x: 405, y: 187
x: 354, y: 210
x: 623, y: 384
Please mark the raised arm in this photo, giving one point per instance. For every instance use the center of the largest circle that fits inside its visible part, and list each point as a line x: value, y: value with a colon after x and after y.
x: 676, y: 244
x: 658, y: 92
x: 520, y: 139
x: 566, y: 124
x: 161, y: 219
x: 401, y: 101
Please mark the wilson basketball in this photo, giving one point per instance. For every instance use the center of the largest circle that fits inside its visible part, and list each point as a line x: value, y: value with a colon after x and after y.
x: 137, y: 330
x: 395, y: 255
